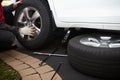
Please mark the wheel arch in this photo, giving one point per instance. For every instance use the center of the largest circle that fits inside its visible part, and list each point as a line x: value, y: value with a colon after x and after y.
x: 47, y: 4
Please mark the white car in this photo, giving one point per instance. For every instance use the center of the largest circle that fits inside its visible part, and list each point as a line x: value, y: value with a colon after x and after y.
x: 47, y: 15
x: 97, y: 49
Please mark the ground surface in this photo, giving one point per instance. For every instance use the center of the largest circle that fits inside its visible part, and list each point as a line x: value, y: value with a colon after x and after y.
x: 65, y: 71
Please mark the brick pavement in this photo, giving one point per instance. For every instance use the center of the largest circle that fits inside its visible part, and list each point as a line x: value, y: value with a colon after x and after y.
x: 28, y: 66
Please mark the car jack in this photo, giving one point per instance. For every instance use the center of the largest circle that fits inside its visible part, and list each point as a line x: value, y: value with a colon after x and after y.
x: 64, y: 40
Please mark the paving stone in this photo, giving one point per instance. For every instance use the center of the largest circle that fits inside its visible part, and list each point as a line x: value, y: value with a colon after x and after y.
x: 44, y: 69
x: 15, y: 63
x: 21, y: 67
x: 4, y: 56
x: 32, y: 71
x: 27, y: 72
x: 32, y: 77
x: 12, y: 53
x: 21, y: 56
x: 30, y: 60
x: 49, y: 75
x: 10, y: 59
x: 36, y: 64
x: 16, y: 54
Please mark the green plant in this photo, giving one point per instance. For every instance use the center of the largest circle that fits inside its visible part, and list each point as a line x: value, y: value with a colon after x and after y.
x: 7, y: 72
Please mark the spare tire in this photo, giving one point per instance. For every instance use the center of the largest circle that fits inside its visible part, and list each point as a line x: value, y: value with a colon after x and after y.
x: 96, y: 55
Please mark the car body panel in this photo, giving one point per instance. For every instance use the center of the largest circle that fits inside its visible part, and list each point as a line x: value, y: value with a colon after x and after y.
x: 99, y: 14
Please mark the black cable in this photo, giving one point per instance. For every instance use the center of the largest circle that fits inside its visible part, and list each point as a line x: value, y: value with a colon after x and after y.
x: 56, y: 71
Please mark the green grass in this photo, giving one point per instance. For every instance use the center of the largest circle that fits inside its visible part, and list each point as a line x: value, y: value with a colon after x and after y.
x: 8, y: 73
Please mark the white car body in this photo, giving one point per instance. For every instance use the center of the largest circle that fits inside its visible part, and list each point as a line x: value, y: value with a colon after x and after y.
x: 96, y: 14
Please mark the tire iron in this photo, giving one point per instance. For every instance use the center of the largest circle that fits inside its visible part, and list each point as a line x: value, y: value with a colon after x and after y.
x: 50, y: 54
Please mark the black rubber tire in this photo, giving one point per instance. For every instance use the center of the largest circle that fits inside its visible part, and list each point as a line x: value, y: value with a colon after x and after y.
x: 46, y: 30
x: 95, y: 61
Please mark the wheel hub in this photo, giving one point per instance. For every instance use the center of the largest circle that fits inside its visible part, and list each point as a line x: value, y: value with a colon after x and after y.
x: 29, y: 23
x: 103, y: 42
x: 29, y: 16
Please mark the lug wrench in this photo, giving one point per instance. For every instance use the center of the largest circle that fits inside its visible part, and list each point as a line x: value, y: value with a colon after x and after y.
x: 49, y: 54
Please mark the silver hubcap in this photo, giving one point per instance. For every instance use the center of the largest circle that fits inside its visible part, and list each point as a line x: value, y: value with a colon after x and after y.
x: 29, y: 16
x: 102, y: 41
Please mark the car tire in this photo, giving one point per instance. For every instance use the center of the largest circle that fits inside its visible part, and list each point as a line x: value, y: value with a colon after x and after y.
x: 42, y: 21
x: 98, y: 61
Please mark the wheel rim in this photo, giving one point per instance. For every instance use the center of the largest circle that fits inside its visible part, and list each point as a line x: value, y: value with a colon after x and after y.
x: 30, y: 16
x: 102, y: 41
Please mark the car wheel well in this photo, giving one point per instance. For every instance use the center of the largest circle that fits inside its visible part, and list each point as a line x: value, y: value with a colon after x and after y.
x: 45, y: 2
